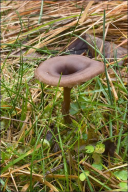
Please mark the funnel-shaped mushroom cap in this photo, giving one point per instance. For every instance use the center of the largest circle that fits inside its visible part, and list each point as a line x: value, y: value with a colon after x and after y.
x: 75, y: 69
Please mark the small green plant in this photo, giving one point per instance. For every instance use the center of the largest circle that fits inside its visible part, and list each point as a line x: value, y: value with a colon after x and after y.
x: 99, y: 148
x: 96, y: 152
x: 97, y: 166
x: 122, y: 176
x: 89, y: 149
x: 83, y: 175
x: 123, y: 186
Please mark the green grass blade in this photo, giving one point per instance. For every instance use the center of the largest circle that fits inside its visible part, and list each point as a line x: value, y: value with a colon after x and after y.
x: 109, y: 90
x: 41, y: 11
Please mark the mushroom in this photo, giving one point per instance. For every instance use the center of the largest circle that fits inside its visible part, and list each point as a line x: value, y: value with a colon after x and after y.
x: 71, y: 70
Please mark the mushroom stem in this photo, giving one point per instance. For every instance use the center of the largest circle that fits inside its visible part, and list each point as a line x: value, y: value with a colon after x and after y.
x: 66, y: 105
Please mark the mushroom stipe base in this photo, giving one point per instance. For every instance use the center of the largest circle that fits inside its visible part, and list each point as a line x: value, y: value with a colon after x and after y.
x: 73, y: 69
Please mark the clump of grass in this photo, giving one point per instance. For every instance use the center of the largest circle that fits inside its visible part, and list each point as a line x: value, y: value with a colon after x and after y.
x: 38, y: 151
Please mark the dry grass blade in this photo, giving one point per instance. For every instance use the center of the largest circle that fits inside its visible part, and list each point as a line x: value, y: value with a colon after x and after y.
x: 84, y: 15
x: 28, y: 164
x: 14, y: 182
x: 25, y: 187
x: 38, y: 177
x: 100, y: 172
x: 47, y: 41
x: 114, y: 168
x: 113, y: 88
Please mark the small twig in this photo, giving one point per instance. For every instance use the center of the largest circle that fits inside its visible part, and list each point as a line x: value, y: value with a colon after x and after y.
x: 14, y: 119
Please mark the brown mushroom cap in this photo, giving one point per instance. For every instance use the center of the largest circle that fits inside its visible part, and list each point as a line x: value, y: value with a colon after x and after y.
x: 75, y: 69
